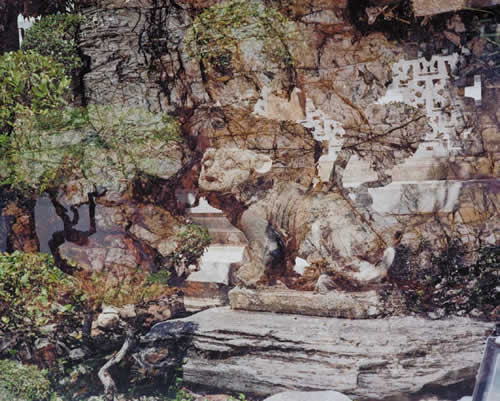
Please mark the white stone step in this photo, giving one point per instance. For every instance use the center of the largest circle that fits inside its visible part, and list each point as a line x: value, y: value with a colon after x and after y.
x: 215, y: 264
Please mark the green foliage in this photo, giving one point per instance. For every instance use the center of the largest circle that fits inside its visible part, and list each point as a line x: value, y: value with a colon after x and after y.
x: 217, y: 33
x: 23, y: 382
x: 194, y: 239
x: 160, y: 277
x: 69, y: 118
x: 182, y: 395
x: 30, y: 83
x: 34, y: 292
x: 241, y: 397
x: 56, y: 36
x: 104, y: 145
x: 123, y: 127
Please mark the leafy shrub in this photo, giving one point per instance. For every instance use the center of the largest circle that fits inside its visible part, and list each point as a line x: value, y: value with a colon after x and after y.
x: 193, y: 241
x: 22, y: 382
x: 160, y: 277
x: 30, y: 83
x: 106, y: 146
x: 217, y: 33
x: 34, y: 292
x: 449, y: 283
x: 55, y: 36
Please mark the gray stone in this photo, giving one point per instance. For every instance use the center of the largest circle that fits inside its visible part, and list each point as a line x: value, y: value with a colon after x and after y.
x: 127, y: 312
x: 375, y: 359
x: 308, y: 396
x: 76, y: 354
x: 351, y: 305
x: 108, y: 320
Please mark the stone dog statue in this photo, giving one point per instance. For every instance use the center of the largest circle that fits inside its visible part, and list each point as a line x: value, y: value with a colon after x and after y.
x: 318, y: 227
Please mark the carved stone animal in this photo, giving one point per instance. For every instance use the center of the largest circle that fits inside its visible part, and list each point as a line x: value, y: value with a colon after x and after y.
x: 285, y: 217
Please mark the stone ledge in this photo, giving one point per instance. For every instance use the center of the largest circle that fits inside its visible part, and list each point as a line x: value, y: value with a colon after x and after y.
x: 351, y: 305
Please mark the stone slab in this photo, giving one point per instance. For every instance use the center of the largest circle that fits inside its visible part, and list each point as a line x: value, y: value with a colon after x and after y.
x: 402, y: 358
x: 351, y: 305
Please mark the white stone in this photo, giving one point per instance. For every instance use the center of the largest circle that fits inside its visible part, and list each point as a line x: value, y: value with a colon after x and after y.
x: 357, y: 172
x: 369, y: 359
x: 416, y: 197
x: 474, y: 91
x: 388, y: 257
x: 128, y: 311
x: 76, y: 354
x: 215, y: 264
x: 300, y: 265
x: 308, y: 396
x: 422, y: 83
x: 324, y: 129
x: 24, y: 24
x: 204, y: 207
x: 428, y: 163
x: 109, y: 309
x: 279, y: 108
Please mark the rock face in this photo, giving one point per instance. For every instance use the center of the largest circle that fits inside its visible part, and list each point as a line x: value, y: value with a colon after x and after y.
x: 262, y: 353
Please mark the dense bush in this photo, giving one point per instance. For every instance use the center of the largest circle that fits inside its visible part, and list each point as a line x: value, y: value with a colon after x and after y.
x: 217, y: 33
x: 22, y: 382
x: 30, y: 83
x: 55, y: 36
x: 34, y: 292
x: 453, y: 282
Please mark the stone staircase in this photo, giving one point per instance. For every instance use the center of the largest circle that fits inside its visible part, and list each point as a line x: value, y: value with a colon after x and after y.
x: 208, y: 286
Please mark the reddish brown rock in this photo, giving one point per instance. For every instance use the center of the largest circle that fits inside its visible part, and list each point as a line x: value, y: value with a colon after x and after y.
x: 22, y: 234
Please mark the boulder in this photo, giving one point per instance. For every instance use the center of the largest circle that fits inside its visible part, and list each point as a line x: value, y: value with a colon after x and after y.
x: 401, y: 358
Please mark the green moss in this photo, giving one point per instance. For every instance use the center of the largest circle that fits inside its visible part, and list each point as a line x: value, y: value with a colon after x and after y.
x: 217, y: 33
x: 56, y: 36
x: 22, y: 382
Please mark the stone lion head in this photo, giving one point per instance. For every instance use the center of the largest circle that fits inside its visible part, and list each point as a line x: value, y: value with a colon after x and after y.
x: 223, y: 169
